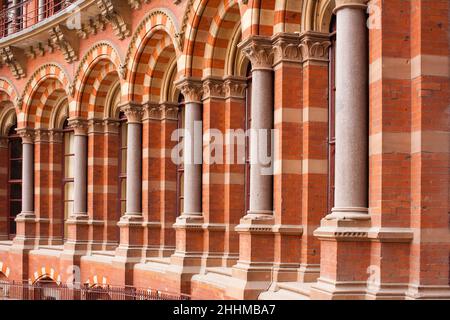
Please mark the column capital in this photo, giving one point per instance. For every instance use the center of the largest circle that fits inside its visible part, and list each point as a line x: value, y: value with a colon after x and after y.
x: 356, y: 4
x: 95, y: 126
x: 133, y: 111
x: 192, y: 90
x: 111, y: 126
x: 169, y: 111
x: 152, y: 111
x: 27, y: 135
x: 56, y: 136
x: 42, y: 136
x: 80, y: 126
x: 286, y: 48
x: 259, y: 50
x: 235, y: 87
x: 314, y: 47
x: 213, y: 88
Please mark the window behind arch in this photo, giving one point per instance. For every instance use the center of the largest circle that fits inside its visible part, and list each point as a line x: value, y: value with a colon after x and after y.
x: 14, y: 179
x: 332, y: 116
x: 68, y: 172
x: 180, y: 167
x: 123, y: 146
x: 248, y: 125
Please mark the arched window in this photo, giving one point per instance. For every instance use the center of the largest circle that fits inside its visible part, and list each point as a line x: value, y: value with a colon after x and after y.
x: 248, y: 125
x: 68, y: 170
x: 123, y: 146
x: 14, y: 179
x: 331, y: 121
x: 180, y: 167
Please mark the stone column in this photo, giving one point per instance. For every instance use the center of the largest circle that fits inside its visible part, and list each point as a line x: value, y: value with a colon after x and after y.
x: 26, y: 220
x: 80, y: 171
x: 134, y: 160
x: 27, y: 172
x: 256, y: 229
x: 351, y: 197
x: 259, y: 52
x: 347, y: 232
x: 131, y: 224
x: 193, y: 149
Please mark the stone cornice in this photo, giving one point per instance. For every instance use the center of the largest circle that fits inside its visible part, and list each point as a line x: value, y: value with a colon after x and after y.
x: 66, y: 41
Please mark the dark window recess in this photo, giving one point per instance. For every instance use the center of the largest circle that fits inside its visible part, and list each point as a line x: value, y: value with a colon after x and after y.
x: 14, y: 180
x: 332, y: 119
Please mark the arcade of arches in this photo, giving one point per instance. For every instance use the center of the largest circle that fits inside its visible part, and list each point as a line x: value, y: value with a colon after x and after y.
x: 358, y: 203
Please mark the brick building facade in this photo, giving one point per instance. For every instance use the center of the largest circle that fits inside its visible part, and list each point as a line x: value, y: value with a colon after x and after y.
x: 357, y: 95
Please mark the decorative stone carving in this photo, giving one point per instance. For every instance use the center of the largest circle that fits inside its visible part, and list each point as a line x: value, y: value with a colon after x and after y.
x: 56, y: 136
x: 169, y: 111
x: 235, y: 87
x: 14, y: 59
x: 92, y: 27
x: 65, y: 41
x: 27, y: 135
x: 133, y: 111
x: 314, y: 47
x: 259, y: 50
x: 213, y: 88
x: 95, y: 126
x: 136, y: 4
x: 111, y: 126
x: 152, y: 111
x: 286, y: 48
x: 42, y: 136
x: 192, y: 90
x: 80, y: 126
x: 117, y: 13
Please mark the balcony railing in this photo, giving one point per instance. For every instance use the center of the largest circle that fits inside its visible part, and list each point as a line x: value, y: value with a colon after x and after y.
x: 27, y: 13
x: 49, y: 290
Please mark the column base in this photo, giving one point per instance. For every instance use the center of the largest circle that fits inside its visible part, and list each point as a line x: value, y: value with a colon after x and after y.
x: 77, y: 243
x: 254, y: 270
x: 308, y: 273
x: 349, y: 214
x: 326, y: 289
x: 26, y: 238
x: 424, y: 292
x: 131, y: 246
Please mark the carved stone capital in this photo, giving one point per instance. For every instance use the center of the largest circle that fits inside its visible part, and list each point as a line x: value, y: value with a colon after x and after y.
x: 27, y: 135
x: 286, y: 48
x: 66, y: 41
x: 42, y: 136
x: 152, y: 111
x: 14, y: 58
x: 192, y: 90
x: 314, y: 47
x: 95, y: 126
x: 259, y: 50
x: 213, y: 88
x: 111, y: 126
x: 169, y: 111
x: 80, y: 126
x: 133, y: 111
x: 358, y: 4
x: 56, y: 136
x: 235, y: 87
